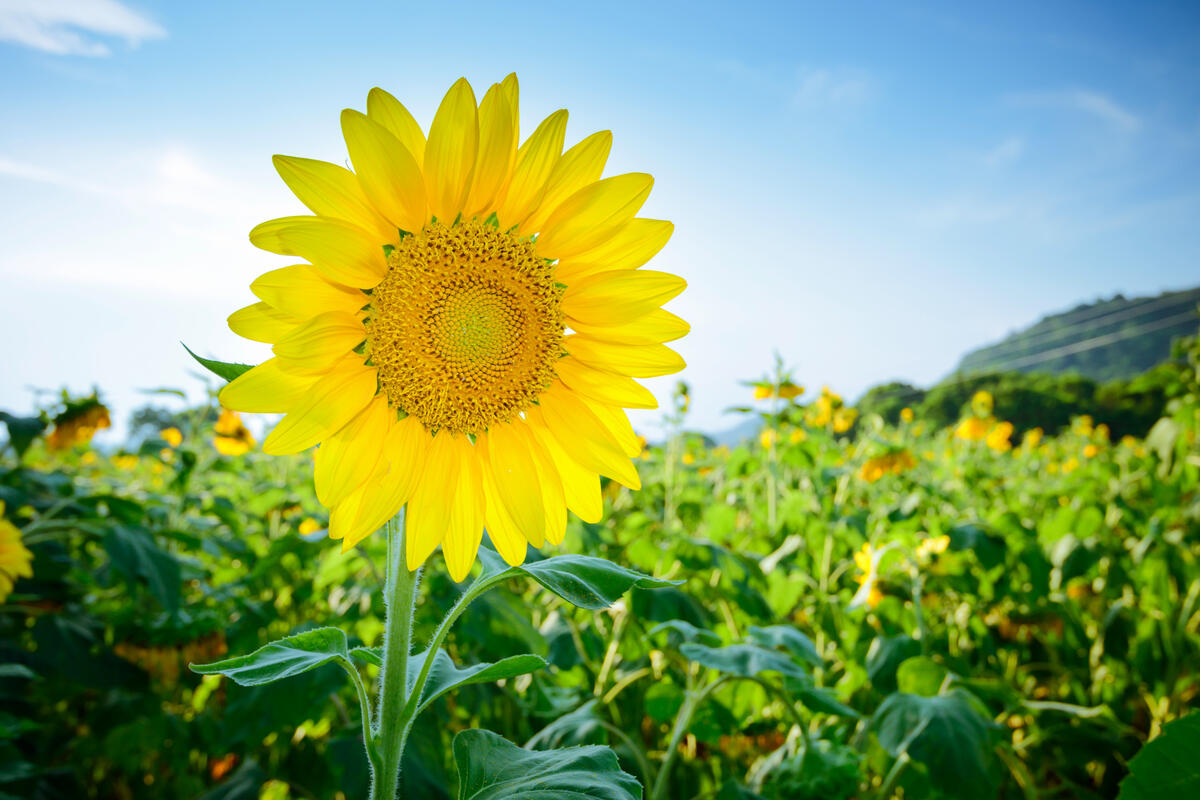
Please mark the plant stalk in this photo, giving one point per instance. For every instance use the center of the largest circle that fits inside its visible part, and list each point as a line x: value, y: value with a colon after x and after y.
x: 393, y: 722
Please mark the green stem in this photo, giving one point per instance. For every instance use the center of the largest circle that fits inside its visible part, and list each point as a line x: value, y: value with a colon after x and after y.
x: 683, y: 719
x: 394, y: 723
x: 893, y: 776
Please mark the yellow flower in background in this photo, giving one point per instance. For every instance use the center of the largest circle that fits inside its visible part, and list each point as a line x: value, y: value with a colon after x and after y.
x: 1032, y: 438
x: 906, y: 414
x: 762, y: 392
x: 1083, y: 424
x: 424, y: 345
x: 172, y: 436
x: 767, y: 438
x: 1090, y: 451
x: 125, y: 461
x: 1128, y: 441
x: 15, y: 559
x: 998, y: 437
x: 867, y: 561
x: 688, y: 458
x: 843, y: 419
x: 788, y: 390
x: 972, y: 429
x: 797, y: 435
x: 934, y: 545
x: 77, y: 426
x: 982, y: 403
x: 309, y: 525
x: 1102, y: 432
x: 892, y: 463
x: 1070, y: 465
x: 829, y: 409
x: 232, y: 439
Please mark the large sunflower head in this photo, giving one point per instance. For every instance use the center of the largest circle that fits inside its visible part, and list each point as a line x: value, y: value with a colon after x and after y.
x: 465, y: 330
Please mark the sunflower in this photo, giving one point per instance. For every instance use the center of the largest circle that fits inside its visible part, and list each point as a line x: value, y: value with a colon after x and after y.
x: 232, y: 437
x: 465, y: 334
x: 15, y: 559
x: 77, y: 424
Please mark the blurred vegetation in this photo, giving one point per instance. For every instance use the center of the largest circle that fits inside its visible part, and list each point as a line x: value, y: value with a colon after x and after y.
x: 937, y: 607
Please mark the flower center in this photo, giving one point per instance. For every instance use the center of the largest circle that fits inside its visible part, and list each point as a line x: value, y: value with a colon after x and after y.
x: 466, y: 326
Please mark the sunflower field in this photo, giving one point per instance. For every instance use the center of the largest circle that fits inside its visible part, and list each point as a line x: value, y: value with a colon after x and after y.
x: 838, y: 608
x: 452, y: 568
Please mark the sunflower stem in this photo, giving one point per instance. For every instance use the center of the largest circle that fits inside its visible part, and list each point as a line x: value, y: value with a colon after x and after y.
x: 393, y: 722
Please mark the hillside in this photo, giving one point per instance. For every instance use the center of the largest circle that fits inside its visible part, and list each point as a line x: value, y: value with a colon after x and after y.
x: 1104, y: 341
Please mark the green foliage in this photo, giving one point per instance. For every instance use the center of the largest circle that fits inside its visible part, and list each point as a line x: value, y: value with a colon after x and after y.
x: 1167, y: 768
x: 494, y: 769
x: 1106, y: 340
x: 289, y: 656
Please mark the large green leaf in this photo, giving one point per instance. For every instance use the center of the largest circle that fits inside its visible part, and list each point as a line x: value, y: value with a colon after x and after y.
x: 135, y: 553
x: 585, y: 581
x: 446, y: 675
x: 949, y: 734
x: 790, y: 639
x: 22, y: 430
x: 742, y: 660
x: 222, y: 369
x: 1167, y: 767
x: 491, y: 768
x: 283, y: 659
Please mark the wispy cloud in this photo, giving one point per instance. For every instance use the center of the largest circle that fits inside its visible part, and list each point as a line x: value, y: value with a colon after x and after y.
x: 1007, y: 152
x: 1085, y: 101
x: 825, y: 86
x: 73, y: 27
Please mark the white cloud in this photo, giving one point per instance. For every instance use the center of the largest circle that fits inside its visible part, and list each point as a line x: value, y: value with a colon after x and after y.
x: 72, y: 27
x: 1084, y: 101
x: 820, y: 86
x: 1008, y: 151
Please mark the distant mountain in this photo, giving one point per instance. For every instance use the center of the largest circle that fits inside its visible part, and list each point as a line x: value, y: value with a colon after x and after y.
x: 1104, y: 341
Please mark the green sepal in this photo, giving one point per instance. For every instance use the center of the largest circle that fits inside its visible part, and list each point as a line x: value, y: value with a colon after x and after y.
x: 222, y: 369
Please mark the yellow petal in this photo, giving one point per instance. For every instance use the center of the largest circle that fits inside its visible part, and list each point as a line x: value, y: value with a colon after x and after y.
x: 346, y: 460
x: 616, y: 422
x: 391, y: 114
x: 636, y: 360
x: 391, y: 485
x: 321, y: 342
x: 344, y: 253
x: 553, y: 501
x: 450, y: 153
x: 301, y: 291
x: 332, y: 191
x: 581, y: 165
x: 620, y: 296
x: 506, y: 448
x: 535, y: 161
x: 593, y: 215
x: 633, y: 245
x: 265, y: 389
x: 386, y: 170
x: 583, y: 436
x: 508, y: 541
x: 261, y: 323
x: 429, y: 509
x: 332, y: 402
x: 658, y: 326
x: 512, y: 91
x: 497, y: 151
x: 607, y: 387
x: 581, y: 487
x: 465, y: 530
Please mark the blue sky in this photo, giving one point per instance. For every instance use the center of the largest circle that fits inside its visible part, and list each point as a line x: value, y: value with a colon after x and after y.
x: 870, y: 188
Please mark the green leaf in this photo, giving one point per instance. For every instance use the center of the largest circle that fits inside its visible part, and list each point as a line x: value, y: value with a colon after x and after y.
x: 790, y: 639
x: 371, y: 655
x: 949, y: 734
x: 16, y: 671
x: 282, y: 659
x: 22, y: 430
x: 742, y: 660
x: 686, y: 631
x: 135, y: 553
x: 818, y: 698
x: 1167, y: 767
x: 585, y: 581
x: 222, y: 369
x: 885, y: 656
x: 920, y: 675
x: 490, y: 768
x: 446, y: 675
